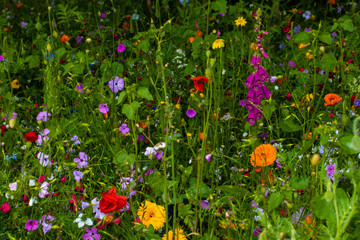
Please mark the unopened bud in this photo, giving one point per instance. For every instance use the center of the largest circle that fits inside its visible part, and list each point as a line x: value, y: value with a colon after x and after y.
x: 315, y: 160
x: 12, y: 123
x: 88, y: 40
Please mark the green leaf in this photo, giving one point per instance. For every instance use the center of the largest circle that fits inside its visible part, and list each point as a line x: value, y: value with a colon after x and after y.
x: 325, y: 37
x: 122, y: 158
x: 299, y: 182
x: 328, y: 62
x: 117, y: 68
x: 233, y: 191
x: 204, y: 190
x: 352, y: 67
x: 288, y: 125
x: 67, y: 68
x: 197, y: 43
x: 219, y: 6
x: 189, y: 68
x: 346, y: 143
x: 268, y: 110
x: 156, y: 182
x: 275, y: 200
x: 323, y: 209
x: 347, y: 25
x: 342, y: 201
x: 59, y: 53
x: 302, y: 37
x: 121, y: 97
x: 78, y: 69
x: 144, y: 45
x: 145, y: 93
x: 130, y: 109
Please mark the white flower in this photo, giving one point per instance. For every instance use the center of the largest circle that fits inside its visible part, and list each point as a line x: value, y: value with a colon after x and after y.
x: 149, y: 151
x: 44, y: 159
x: 160, y: 145
x: 81, y: 223
x: 31, y: 182
x: 43, y: 190
x: 13, y: 186
x: 32, y: 201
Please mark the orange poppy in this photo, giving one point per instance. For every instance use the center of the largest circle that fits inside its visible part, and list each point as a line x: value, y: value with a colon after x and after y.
x: 191, y: 39
x: 143, y: 125
x: 332, y: 99
x: 64, y: 38
x: 198, y: 33
x: 332, y: 2
x: 263, y: 155
x: 19, y: 5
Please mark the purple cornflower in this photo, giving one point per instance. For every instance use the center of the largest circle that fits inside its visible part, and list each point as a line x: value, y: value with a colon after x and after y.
x: 124, y: 129
x: 190, y: 113
x: 43, y: 116
x: 91, y: 234
x: 78, y: 175
x: 82, y: 160
x: 121, y: 47
x: 357, y: 103
x: 116, y: 84
x: 103, y: 108
x: 31, y: 225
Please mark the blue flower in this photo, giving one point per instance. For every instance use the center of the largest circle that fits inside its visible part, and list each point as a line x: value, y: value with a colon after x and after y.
x: 135, y: 17
x: 281, y: 46
x: 297, y: 29
x: 306, y: 15
x: 357, y: 103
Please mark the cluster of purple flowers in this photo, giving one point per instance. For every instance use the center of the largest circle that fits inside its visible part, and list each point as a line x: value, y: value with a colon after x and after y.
x: 257, y: 90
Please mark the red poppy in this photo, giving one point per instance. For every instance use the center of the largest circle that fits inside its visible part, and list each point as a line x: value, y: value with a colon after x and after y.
x: 30, y: 137
x: 199, y: 83
x: 3, y: 130
x: 111, y: 202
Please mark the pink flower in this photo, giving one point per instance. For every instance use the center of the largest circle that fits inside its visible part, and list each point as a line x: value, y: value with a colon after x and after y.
x: 103, y: 108
x: 5, y: 207
x: 121, y: 48
x: 31, y: 225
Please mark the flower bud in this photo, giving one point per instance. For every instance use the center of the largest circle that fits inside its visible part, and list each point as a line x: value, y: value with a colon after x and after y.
x: 88, y: 40
x: 329, y: 196
x: 322, y: 49
x: 55, y: 34
x: 48, y: 47
x: 315, y: 160
x: 12, y: 123
x: 208, y: 53
x: 212, y: 62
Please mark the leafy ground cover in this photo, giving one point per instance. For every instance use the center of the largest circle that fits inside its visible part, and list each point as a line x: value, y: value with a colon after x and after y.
x: 179, y: 120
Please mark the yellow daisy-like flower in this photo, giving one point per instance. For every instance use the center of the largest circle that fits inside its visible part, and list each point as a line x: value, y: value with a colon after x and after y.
x: 15, y: 84
x: 177, y: 236
x: 253, y: 46
x: 301, y: 45
x: 151, y: 213
x: 218, y: 43
x: 240, y: 22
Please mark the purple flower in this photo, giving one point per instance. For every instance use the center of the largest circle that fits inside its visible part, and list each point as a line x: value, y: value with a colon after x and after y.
x: 31, y: 225
x: 44, y: 159
x: 102, y: 15
x: 91, y: 234
x: 291, y: 64
x: 46, y: 222
x: 82, y: 160
x: 205, y: 204
x: 306, y: 15
x: 78, y: 39
x: 297, y: 29
x: 75, y: 139
x: 208, y: 157
x: 121, y: 47
x: 124, y: 129
x: 331, y: 169
x: 43, y: 116
x: 43, y: 189
x: 78, y: 175
x: 79, y: 88
x: 43, y: 136
x: 23, y: 24
x: 357, y: 103
x: 140, y: 138
x: 116, y: 84
x: 307, y: 29
x: 1, y: 58
x: 103, y: 108
x: 191, y: 113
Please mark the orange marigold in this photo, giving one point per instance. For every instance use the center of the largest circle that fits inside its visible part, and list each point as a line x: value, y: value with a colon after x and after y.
x: 263, y: 155
x: 332, y: 2
x: 64, y: 38
x: 331, y: 99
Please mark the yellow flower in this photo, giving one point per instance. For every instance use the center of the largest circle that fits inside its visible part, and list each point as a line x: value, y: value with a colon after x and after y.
x: 253, y: 46
x: 151, y: 213
x: 15, y: 84
x: 240, y: 22
x: 177, y: 236
x: 309, y: 56
x: 218, y: 43
x: 214, y: 31
x: 294, y: 10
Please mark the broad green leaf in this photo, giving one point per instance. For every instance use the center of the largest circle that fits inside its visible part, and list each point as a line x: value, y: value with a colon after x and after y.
x: 117, y: 68
x: 122, y: 158
x: 323, y: 209
x: 156, y: 182
x: 233, y: 191
x: 299, y: 182
x: 347, y: 25
x: 59, y: 53
x: 219, y: 6
x: 130, y: 109
x: 302, y: 37
x: 268, y: 110
x: 67, y: 68
x: 325, y: 37
x: 145, y: 93
x: 121, y: 97
x: 328, y: 62
x: 347, y: 144
x: 197, y: 43
x: 78, y: 69
x: 189, y: 68
x: 342, y: 201
x: 288, y: 125
x: 204, y: 190
x: 144, y: 45
x: 275, y: 200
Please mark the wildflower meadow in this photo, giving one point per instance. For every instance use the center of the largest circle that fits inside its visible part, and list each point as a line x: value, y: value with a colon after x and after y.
x: 186, y: 120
